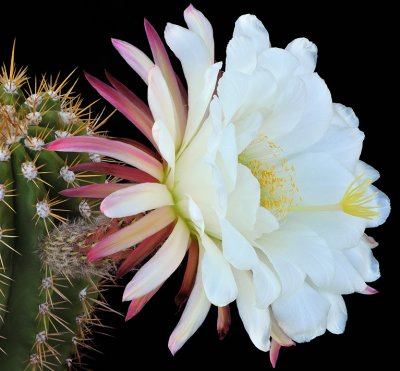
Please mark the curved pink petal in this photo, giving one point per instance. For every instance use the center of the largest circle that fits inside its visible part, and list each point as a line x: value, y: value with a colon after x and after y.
x: 136, y: 199
x: 165, y: 261
x: 112, y: 148
x: 137, y: 305
x: 132, y: 111
x: 93, y: 190
x: 138, y: 61
x: 143, y: 250
x: 129, y: 236
x: 119, y: 171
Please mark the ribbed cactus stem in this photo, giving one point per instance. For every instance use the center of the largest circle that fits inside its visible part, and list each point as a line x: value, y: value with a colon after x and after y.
x: 45, y: 311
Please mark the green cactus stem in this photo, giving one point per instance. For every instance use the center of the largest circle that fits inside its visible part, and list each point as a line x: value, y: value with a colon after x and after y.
x: 44, y: 312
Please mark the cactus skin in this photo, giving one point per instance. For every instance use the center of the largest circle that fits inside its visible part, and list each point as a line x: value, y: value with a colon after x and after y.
x: 44, y: 315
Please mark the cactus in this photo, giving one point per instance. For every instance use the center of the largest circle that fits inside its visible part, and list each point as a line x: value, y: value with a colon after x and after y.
x: 45, y: 310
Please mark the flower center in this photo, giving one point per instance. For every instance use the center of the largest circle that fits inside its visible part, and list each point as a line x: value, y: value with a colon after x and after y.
x: 278, y: 190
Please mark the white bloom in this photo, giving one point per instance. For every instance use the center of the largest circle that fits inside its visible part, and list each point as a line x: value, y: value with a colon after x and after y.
x: 260, y: 181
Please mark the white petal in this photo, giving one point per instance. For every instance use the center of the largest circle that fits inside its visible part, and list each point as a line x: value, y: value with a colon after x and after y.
x: 200, y: 72
x: 346, y: 115
x: 165, y: 142
x: 338, y: 229
x: 300, y: 246
x: 236, y: 249
x: 303, y: 314
x: 367, y: 171
x: 161, y: 265
x: 320, y: 178
x: 194, y: 314
x: 219, y: 283
x: 227, y: 156
x: 265, y: 223
x: 199, y: 24
x: 363, y: 261
x: 241, y: 55
x: 266, y: 285
x: 195, y: 214
x: 136, y: 199
x: 346, y: 279
x: 256, y: 321
x: 337, y: 315
x: 382, y: 202
x: 279, y: 62
x: 250, y: 26
x: 316, y: 117
x: 247, y: 130
x: 306, y: 52
x: 244, y: 200
x: 344, y: 144
x: 161, y: 102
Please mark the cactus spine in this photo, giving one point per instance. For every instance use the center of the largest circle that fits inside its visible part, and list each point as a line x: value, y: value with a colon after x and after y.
x: 44, y: 312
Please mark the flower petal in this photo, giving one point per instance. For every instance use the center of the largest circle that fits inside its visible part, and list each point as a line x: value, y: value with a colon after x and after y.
x: 119, y: 171
x: 131, y: 235
x: 139, y: 61
x: 136, y: 199
x: 303, y: 314
x: 165, y: 143
x: 337, y: 315
x: 306, y: 52
x: 134, y: 110
x: 199, y: 24
x: 112, y: 148
x: 143, y: 250
x: 256, y: 321
x: 193, y: 316
x: 236, y: 249
x: 219, y: 283
x: 162, y: 61
x: 137, y: 305
x: 165, y: 261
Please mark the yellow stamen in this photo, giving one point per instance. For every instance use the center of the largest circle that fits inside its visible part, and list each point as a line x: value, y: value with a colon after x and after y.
x: 354, y: 202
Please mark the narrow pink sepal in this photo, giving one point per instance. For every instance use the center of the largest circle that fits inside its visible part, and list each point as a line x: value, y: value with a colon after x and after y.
x: 129, y: 94
x: 140, y: 118
x: 274, y: 352
x: 119, y: 171
x: 162, y: 60
x: 112, y: 148
x: 369, y: 291
x: 129, y: 236
x: 93, y: 190
x: 139, y: 61
x: 137, y: 305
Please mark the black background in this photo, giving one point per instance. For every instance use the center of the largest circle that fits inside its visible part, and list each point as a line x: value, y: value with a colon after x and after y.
x: 356, y: 58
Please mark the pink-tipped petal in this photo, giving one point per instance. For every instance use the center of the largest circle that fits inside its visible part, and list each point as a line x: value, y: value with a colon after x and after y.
x: 137, y: 305
x: 190, y: 274
x: 119, y: 171
x: 193, y: 316
x: 112, y: 148
x: 136, y: 199
x: 369, y: 291
x: 143, y: 250
x: 129, y: 236
x: 199, y: 24
x: 279, y: 335
x: 165, y: 261
x: 274, y: 352
x: 127, y: 93
x: 93, y: 190
x: 139, y: 61
x: 132, y: 111
x: 223, y: 321
x: 162, y: 60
